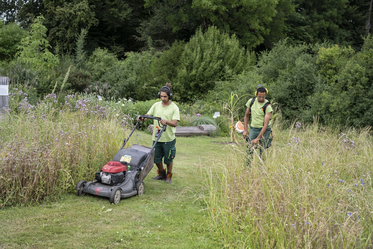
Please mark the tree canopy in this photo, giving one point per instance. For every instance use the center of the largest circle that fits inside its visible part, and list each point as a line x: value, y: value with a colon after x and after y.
x: 315, y: 56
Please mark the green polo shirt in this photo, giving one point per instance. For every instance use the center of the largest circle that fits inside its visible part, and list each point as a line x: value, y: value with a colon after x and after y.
x: 170, y: 112
x: 257, y: 115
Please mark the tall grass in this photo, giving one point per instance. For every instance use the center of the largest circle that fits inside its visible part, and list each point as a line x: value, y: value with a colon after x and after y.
x: 45, y: 149
x: 313, y: 190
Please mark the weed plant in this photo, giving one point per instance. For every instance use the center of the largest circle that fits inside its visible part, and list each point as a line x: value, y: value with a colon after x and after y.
x: 313, y: 190
x: 185, y: 119
x: 47, y: 148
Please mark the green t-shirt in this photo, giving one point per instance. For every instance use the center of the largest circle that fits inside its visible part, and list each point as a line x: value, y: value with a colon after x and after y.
x: 257, y: 115
x: 170, y: 112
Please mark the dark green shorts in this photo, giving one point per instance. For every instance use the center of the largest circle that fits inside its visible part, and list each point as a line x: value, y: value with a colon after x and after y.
x: 166, y: 150
x: 266, y: 139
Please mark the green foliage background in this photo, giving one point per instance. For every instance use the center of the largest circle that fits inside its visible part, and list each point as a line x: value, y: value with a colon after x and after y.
x: 206, y: 50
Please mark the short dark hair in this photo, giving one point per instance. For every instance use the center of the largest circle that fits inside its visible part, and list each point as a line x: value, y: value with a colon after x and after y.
x: 261, y: 90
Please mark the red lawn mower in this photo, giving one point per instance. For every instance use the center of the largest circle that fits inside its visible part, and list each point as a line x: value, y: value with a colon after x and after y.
x: 123, y: 176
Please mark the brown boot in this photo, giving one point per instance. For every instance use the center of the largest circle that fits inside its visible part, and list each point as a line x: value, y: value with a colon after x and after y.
x: 161, y: 175
x: 169, y: 178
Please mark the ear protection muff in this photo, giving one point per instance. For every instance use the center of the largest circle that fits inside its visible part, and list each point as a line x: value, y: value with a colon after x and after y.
x: 168, y: 91
x: 260, y: 86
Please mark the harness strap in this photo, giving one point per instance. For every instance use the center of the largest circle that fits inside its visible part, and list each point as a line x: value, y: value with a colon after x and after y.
x: 263, y: 108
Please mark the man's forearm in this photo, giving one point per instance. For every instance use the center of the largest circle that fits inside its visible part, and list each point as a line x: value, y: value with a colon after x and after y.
x: 245, y: 121
x: 267, y: 117
x: 262, y: 131
x: 172, y: 123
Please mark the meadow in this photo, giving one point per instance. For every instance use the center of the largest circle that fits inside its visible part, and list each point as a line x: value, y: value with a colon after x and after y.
x: 312, y: 190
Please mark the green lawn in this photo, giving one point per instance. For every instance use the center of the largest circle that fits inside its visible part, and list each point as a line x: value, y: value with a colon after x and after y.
x: 166, y: 216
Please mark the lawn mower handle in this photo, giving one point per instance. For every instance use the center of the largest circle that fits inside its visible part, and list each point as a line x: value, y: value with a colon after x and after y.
x: 150, y: 117
x: 137, y: 123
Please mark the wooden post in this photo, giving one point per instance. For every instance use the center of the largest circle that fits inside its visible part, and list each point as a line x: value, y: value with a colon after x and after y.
x: 4, y: 93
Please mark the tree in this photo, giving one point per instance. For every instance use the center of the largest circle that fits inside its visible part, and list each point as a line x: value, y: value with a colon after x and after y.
x: 111, y: 23
x: 106, y: 22
x: 10, y: 36
x: 355, y: 19
x: 169, y: 21
x: 34, y: 62
x: 8, y: 10
x: 65, y: 19
x: 278, y: 27
x: 249, y: 20
x: 111, y: 28
x: 209, y: 57
x: 34, y: 49
x: 339, y: 21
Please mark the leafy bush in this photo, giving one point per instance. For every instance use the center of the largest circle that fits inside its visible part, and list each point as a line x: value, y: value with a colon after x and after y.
x: 345, y: 96
x: 223, y: 124
x: 20, y: 75
x: 142, y: 108
x: 100, y: 62
x: 209, y: 57
x: 10, y: 37
x: 185, y: 120
x: 128, y: 78
x: 135, y: 79
x: 290, y: 74
x: 164, y: 67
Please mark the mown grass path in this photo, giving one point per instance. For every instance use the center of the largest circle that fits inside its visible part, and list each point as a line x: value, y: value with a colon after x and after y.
x: 166, y: 216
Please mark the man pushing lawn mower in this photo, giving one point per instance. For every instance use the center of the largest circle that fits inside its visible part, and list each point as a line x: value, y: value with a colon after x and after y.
x: 165, y: 148
x: 260, y: 111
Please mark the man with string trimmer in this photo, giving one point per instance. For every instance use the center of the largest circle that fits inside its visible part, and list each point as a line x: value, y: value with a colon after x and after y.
x: 259, y: 111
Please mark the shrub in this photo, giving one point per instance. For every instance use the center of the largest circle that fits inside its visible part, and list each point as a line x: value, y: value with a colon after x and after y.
x: 100, y: 62
x: 290, y: 73
x: 11, y: 35
x: 185, y: 120
x: 128, y: 78
x: 136, y: 79
x: 142, y: 108
x: 344, y: 95
x: 164, y: 67
x: 209, y: 57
